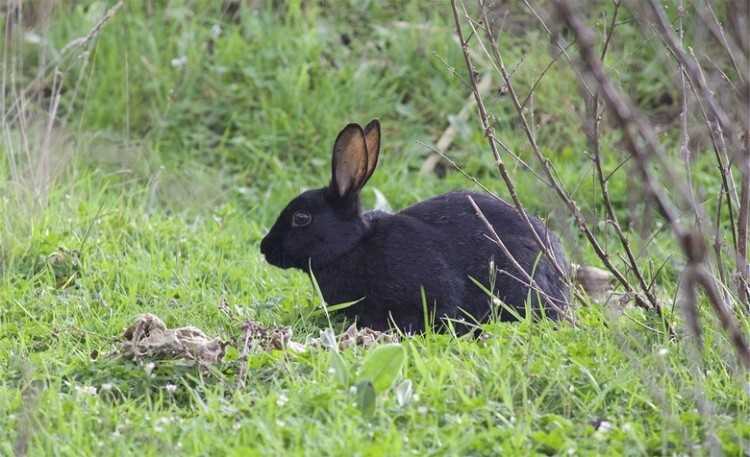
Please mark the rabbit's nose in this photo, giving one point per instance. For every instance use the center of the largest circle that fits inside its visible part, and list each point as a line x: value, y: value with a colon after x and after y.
x: 269, y: 247
x: 265, y: 246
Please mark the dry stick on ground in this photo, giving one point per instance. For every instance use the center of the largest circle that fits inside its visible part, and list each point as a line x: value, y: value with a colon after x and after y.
x: 490, y: 135
x: 446, y: 139
x: 551, y: 176
x: 592, y: 133
x: 633, y: 130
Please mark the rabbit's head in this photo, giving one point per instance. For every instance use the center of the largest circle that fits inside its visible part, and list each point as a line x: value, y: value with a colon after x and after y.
x: 320, y: 225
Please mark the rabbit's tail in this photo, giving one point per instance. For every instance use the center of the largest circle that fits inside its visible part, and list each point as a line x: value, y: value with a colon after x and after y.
x: 597, y: 283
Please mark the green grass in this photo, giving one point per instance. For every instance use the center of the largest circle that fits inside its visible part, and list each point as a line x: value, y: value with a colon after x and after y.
x: 176, y: 172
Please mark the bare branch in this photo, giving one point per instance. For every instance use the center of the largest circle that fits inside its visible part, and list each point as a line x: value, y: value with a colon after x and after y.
x: 650, y: 301
x: 551, y: 301
x: 490, y: 135
x: 692, y: 243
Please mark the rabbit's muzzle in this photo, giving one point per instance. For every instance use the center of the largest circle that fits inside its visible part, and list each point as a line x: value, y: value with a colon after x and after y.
x: 272, y: 250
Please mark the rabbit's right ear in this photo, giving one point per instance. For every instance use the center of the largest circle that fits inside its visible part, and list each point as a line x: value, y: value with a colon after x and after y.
x: 349, y: 167
x: 372, y: 139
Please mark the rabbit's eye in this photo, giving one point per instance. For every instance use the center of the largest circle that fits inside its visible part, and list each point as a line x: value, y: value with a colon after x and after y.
x: 301, y: 219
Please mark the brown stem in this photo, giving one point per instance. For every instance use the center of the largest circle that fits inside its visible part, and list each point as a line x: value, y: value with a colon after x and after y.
x: 552, y: 177
x: 530, y: 281
x: 742, y: 222
x: 490, y: 135
x: 727, y: 320
x: 692, y: 243
x: 592, y: 134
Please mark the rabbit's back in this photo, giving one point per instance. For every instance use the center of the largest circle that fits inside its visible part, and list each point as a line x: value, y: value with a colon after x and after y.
x: 437, y: 246
x: 459, y: 240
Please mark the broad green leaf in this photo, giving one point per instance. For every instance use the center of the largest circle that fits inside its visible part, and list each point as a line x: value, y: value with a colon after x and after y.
x: 339, y: 369
x: 382, y: 366
x: 231, y: 354
x: 366, y: 398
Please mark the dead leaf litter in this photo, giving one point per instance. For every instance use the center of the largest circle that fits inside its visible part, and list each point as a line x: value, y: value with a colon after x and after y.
x: 148, y: 338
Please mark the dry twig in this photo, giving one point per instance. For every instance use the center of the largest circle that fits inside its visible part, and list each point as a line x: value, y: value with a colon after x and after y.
x: 641, y: 142
x: 490, y: 135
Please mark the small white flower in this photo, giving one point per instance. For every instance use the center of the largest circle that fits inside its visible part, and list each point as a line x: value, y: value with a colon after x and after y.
x: 32, y: 38
x: 149, y: 367
x: 179, y: 62
x: 171, y: 388
x: 604, y: 426
x: 86, y: 390
x: 165, y: 420
x: 282, y: 400
x: 662, y: 352
x: 215, y: 31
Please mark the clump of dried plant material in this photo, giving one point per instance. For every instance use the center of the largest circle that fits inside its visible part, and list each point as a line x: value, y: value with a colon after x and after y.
x: 65, y: 265
x: 149, y: 338
x: 258, y: 338
x: 352, y: 336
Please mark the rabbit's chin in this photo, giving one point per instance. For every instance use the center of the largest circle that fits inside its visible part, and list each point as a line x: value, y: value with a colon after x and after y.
x: 281, y: 261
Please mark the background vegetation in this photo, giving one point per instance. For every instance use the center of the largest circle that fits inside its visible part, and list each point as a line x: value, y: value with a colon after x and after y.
x: 159, y: 140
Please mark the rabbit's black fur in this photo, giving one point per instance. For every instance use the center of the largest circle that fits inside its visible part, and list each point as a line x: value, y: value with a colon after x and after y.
x: 435, y: 246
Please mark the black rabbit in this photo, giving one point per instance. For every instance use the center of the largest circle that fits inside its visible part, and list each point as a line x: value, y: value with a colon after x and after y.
x: 423, y: 257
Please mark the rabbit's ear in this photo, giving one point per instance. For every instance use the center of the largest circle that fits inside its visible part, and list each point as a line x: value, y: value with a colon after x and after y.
x: 372, y: 138
x: 349, y: 168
